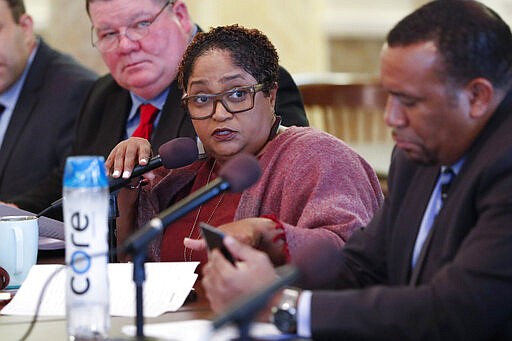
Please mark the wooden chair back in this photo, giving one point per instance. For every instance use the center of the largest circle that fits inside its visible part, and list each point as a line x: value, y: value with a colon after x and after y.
x: 350, y: 109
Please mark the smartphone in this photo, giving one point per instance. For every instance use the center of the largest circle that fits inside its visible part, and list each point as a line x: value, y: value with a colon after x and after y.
x: 214, y: 237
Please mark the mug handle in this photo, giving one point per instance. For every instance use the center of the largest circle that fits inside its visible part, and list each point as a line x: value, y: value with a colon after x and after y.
x: 18, y: 241
x: 4, y: 278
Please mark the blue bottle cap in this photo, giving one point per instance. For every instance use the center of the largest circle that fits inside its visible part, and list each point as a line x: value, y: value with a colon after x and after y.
x: 85, y: 171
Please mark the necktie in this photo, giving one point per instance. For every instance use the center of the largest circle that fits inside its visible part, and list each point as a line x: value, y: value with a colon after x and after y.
x: 147, y: 117
x: 445, y: 180
x: 2, y: 108
x: 439, y: 197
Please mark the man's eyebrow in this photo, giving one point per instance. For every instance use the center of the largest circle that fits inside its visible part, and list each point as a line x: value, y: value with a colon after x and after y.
x: 129, y: 21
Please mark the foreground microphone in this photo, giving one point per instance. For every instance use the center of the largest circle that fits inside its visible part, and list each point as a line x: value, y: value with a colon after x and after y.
x: 236, y: 175
x: 175, y: 153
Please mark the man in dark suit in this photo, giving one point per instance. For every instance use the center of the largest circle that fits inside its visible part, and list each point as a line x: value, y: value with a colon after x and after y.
x: 41, y: 93
x: 435, y: 263
x: 141, y: 42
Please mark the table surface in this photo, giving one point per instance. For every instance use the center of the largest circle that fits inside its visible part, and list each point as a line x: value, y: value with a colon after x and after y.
x: 54, y: 328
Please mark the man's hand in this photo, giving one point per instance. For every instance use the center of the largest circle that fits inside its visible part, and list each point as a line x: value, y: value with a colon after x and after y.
x: 225, y: 283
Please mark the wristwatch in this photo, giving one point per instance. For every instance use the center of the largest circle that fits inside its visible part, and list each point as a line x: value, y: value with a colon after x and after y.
x: 284, y: 314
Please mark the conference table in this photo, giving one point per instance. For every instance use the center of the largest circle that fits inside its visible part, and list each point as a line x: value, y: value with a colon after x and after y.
x: 195, y: 308
x: 54, y: 328
x: 48, y: 328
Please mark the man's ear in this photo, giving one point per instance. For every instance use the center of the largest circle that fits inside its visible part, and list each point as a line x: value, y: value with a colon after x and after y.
x: 181, y: 12
x: 26, y: 22
x: 481, y: 92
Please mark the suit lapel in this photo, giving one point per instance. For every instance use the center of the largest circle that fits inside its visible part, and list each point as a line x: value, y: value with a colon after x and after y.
x: 430, y: 181
x: 117, y: 109
x: 25, y: 104
x: 408, y: 221
x: 422, y: 256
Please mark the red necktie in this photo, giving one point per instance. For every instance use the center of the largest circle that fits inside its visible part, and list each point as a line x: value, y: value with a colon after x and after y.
x: 147, y: 117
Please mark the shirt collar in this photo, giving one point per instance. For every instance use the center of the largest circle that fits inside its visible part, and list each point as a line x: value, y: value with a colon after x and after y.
x: 157, y: 102
x: 456, y: 166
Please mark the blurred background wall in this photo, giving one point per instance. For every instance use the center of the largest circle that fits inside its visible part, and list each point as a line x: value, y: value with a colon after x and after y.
x: 310, y: 35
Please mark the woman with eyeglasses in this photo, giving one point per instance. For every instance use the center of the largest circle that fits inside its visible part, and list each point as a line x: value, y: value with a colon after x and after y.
x: 313, y: 186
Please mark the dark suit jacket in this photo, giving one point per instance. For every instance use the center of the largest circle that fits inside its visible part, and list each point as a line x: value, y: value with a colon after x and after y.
x: 102, y: 124
x: 461, y: 288
x: 40, y: 131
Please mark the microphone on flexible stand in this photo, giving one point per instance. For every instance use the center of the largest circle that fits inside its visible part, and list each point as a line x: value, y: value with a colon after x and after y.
x: 175, y: 153
x: 236, y: 175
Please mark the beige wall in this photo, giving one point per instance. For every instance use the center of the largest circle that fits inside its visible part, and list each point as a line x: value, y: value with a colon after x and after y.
x: 296, y: 36
x: 66, y: 27
x: 291, y: 25
x: 310, y: 35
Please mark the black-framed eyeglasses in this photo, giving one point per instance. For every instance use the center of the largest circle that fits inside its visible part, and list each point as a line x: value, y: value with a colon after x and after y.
x: 109, y: 39
x: 236, y: 100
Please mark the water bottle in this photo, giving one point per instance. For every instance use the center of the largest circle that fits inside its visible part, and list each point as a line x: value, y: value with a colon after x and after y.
x: 85, y: 206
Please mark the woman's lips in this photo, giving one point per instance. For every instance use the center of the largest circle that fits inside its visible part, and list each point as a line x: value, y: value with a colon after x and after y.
x: 223, y: 134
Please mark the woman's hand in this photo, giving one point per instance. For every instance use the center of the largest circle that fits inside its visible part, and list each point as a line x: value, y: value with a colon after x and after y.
x: 126, y: 155
x: 259, y: 233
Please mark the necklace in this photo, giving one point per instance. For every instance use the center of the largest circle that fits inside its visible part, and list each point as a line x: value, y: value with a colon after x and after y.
x: 188, y: 257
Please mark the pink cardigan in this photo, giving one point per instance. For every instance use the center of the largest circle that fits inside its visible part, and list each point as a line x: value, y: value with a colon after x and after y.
x: 316, y: 185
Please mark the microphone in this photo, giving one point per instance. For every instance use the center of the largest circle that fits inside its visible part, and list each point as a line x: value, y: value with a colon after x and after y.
x: 236, y: 175
x: 175, y: 153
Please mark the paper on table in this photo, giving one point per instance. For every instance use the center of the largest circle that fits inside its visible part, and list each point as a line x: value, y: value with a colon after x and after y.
x: 166, y: 287
x: 195, y: 330
x: 47, y: 227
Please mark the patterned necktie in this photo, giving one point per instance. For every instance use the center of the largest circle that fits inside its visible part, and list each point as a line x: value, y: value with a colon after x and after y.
x: 446, y: 179
x: 147, y: 117
x: 443, y: 183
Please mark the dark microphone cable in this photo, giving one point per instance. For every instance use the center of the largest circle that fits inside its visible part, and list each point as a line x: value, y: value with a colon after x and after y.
x: 47, y: 282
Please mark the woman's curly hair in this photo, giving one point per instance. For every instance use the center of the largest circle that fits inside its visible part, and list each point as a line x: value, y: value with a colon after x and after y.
x: 250, y: 50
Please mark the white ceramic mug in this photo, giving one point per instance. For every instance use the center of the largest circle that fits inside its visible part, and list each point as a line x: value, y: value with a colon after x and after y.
x: 18, y: 247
